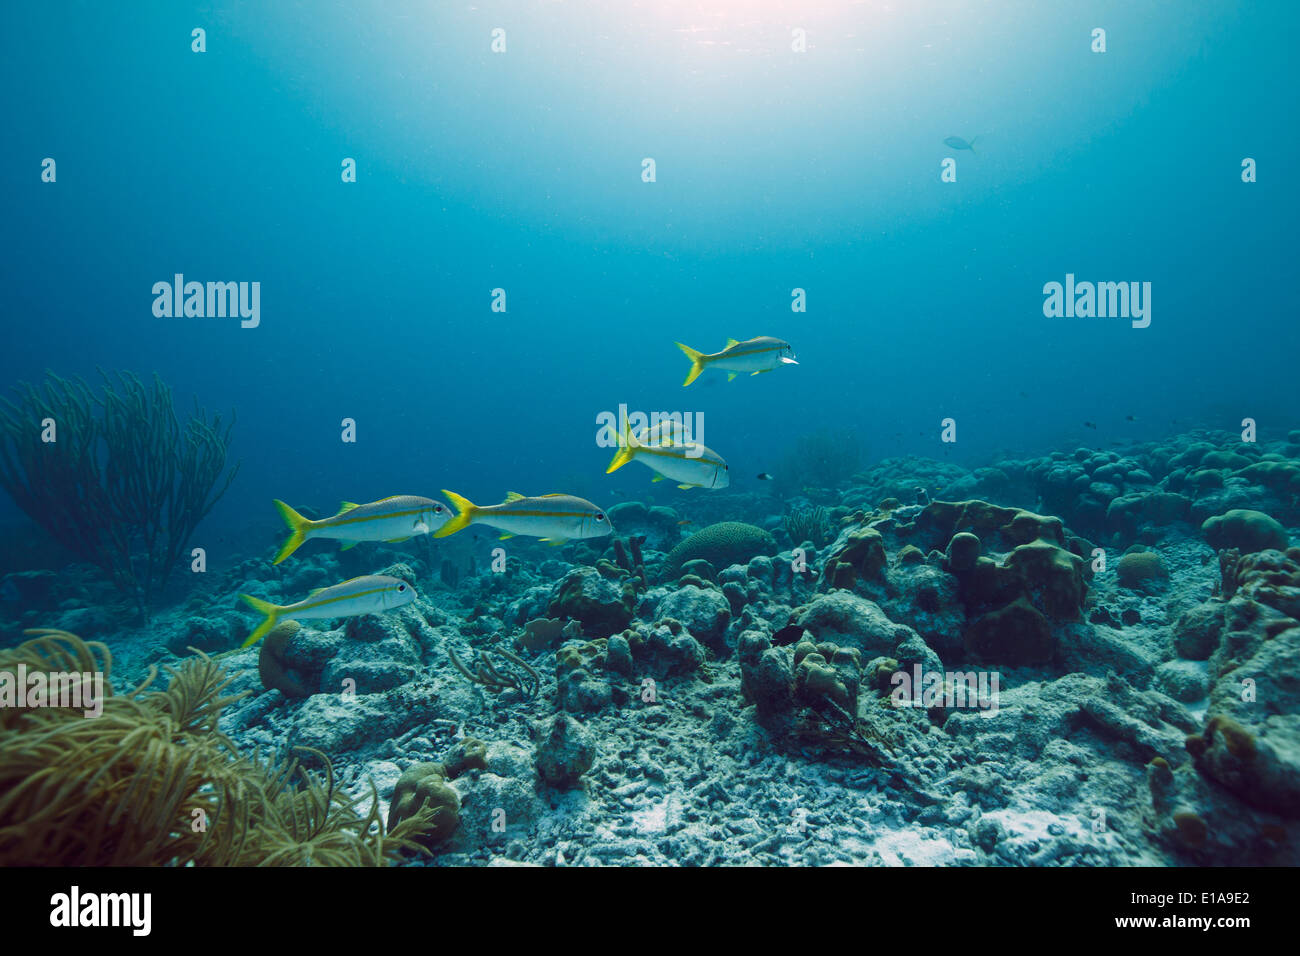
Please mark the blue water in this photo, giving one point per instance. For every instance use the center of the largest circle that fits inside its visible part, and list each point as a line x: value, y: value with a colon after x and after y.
x: 775, y: 171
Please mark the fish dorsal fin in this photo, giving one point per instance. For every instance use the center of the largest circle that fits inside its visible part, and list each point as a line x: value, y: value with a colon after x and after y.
x: 553, y: 494
x: 314, y: 591
x: 513, y: 496
x: 730, y: 343
x: 346, y: 506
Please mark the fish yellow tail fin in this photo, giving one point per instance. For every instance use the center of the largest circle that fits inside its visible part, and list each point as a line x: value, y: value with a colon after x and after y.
x: 697, y: 363
x: 298, y: 528
x: 627, y: 446
x: 465, y: 510
x: 272, y: 612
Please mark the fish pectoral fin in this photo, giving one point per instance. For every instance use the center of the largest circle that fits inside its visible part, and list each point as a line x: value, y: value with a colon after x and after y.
x: 760, y: 372
x: 420, y: 528
x: 684, y: 487
x: 731, y: 376
x: 397, y: 540
x: 554, y: 542
x: 786, y: 360
x: 505, y: 537
x: 349, y: 545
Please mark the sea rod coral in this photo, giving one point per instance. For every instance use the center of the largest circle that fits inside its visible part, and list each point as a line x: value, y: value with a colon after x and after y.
x: 114, y: 476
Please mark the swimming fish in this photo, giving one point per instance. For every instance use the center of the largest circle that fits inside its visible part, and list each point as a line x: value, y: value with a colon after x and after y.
x: 764, y: 476
x: 368, y: 594
x: 1089, y: 425
x: 664, y: 450
x: 553, y: 518
x: 956, y: 142
x: 390, y: 519
x: 753, y: 355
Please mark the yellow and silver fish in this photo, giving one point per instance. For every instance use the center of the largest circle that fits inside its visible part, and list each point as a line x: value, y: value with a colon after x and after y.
x: 553, y: 518
x: 665, y: 450
x: 753, y: 355
x: 368, y: 594
x: 392, y: 519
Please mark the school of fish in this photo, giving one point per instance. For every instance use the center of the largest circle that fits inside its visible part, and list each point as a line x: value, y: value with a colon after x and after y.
x: 554, y: 518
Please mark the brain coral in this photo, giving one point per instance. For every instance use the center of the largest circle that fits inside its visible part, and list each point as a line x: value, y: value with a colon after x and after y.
x: 1138, y: 569
x: 722, y: 545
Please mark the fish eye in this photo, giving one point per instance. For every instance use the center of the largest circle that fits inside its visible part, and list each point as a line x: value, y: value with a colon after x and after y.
x: 437, y: 509
x: 401, y: 587
x: 600, y: 516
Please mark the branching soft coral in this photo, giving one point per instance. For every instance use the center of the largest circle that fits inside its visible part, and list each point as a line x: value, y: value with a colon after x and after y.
x: 152, y: 781
x: 127, y: 481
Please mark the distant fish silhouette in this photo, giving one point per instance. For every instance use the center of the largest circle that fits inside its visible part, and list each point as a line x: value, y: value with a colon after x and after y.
x: 1092, y: 425
x: 764, y: 476
x: 956, y: 142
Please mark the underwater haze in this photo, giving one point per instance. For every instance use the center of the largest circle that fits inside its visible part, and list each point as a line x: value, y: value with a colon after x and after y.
x: 1029, y: 272
x: 775, y: 171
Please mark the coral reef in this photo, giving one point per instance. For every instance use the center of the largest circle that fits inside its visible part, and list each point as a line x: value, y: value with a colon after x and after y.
x: 1037, y: 662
